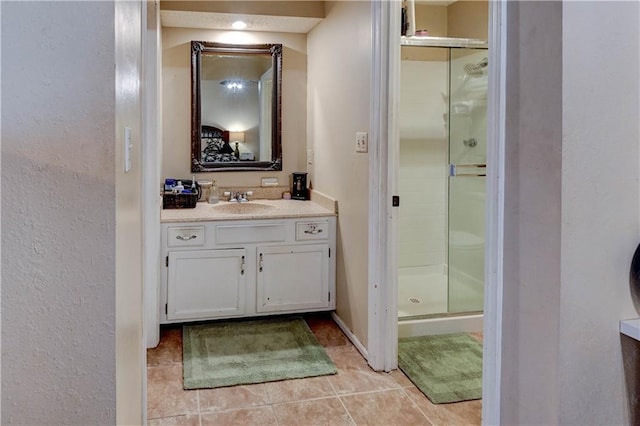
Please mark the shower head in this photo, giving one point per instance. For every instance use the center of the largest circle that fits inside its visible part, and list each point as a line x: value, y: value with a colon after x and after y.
x: 476, y: 69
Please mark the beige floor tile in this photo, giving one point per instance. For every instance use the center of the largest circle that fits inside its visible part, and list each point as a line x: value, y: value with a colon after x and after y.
x: 392, y: 407
x: 347, y: 358
x: 187, y: 420
x: 459, y: 413
x: 165, y: 395
x: 354, y: 374
x: 326, y: 411
x: 326, y: 330
x: 401, y: 379
x: 298, y: 390
x: 233, y: 397
x: 169, y: 350
x: 260, y: 416
x: 351, y: 381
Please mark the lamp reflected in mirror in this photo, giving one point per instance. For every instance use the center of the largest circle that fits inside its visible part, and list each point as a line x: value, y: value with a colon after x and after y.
x: 236, y: 138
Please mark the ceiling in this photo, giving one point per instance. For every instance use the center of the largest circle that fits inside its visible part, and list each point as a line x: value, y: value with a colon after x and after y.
x: 436, y: 2
x: 223, y: 21
x: 288, y: 17
x: 298, y: 16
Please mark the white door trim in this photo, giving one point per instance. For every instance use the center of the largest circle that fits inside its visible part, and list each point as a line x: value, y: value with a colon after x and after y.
x: 151, y: 201
x: 494, y: 220
x: 151, y: 162
x: 385, y: 79
x: 383, y: 248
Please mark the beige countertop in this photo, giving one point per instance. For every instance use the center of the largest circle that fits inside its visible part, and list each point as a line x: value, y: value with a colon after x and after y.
x: 262, y: 209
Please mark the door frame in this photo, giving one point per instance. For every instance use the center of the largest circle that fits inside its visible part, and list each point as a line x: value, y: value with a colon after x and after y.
x: 383, y: 169
x: 382, y: 347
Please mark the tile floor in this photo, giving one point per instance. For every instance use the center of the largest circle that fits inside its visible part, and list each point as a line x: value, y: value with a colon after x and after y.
x: 355, y: 396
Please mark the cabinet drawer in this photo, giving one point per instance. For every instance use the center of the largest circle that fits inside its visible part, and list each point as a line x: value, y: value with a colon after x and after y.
x: 255, y: 233
x: 315, y: 230
x: 185, y: 236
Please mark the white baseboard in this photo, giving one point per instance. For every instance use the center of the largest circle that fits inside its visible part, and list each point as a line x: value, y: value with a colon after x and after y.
x: 352, y: 337
x: 443, y: 325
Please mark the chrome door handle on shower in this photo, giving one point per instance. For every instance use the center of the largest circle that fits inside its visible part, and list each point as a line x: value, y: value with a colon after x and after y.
x: 476, y: 170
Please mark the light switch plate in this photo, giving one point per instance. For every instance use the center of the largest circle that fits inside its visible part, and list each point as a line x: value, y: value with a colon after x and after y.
x: 362, y: 142
x: 309, y: 156
x: 128, y: 146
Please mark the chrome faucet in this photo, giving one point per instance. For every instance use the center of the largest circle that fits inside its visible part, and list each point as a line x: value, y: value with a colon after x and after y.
x: 238, y: 197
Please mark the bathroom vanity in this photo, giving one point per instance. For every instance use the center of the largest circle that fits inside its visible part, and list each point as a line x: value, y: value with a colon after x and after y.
x: 232, y: 260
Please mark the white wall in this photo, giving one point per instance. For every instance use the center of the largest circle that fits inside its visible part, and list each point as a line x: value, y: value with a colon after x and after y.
x: 58, y: 213
x: 339, y: 51
x: 176, y: 84
x: 423, y: 163
x: 600, y: 210
x: 571, y: 216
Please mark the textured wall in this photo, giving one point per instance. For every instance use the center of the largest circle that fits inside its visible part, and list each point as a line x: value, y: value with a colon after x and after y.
x: 58, y: 213
x: 571, y: 214
x: 532, y: 217
x: 600, y: 209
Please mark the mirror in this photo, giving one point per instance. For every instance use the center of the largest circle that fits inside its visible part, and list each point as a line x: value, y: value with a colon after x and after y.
x: 235, y: 107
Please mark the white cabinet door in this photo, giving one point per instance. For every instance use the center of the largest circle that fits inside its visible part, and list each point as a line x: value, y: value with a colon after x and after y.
x: 206, y: 284
x: 292, y: 277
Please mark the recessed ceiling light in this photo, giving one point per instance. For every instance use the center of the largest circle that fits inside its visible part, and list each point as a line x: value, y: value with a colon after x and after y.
x: 239, y: 25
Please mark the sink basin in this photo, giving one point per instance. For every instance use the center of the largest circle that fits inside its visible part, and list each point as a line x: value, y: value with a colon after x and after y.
x: 243, y: 208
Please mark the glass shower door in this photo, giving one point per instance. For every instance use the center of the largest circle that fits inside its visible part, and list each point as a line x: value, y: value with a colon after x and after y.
x: 467, y: 170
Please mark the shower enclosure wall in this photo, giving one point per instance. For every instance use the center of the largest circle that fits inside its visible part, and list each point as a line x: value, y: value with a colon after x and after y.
x: 442, y: 186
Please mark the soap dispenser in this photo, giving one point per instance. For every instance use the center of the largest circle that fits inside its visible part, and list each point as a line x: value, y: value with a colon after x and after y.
x: 213, y: 193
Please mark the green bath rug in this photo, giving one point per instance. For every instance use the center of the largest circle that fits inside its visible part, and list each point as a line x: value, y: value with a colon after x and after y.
x: 257, y: 351
x: 446, y: 368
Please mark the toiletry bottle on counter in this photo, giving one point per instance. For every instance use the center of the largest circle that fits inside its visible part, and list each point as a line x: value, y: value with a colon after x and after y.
x: 213, y: 193
x: 179, y: 187
x: 169, y: 184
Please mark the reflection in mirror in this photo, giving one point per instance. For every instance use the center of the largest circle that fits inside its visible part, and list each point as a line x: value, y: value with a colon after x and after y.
x: 235, y: 108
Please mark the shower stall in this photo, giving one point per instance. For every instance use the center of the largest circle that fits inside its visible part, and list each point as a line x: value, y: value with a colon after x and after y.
x: 443, y: 120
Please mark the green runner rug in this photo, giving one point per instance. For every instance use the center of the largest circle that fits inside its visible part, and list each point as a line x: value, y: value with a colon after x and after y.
x: 446, y: 368
x: 256, y: 351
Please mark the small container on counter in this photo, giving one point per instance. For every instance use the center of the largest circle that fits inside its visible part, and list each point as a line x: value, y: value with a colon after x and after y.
x: 214, y: 196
